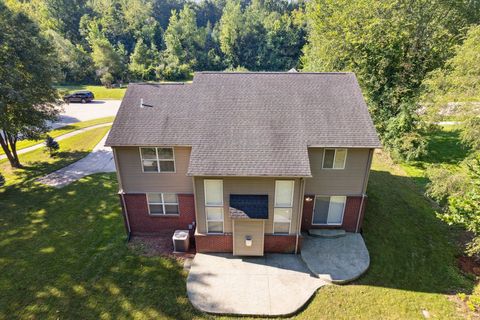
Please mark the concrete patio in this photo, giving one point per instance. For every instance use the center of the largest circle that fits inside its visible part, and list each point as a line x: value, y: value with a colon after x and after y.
x: 275, y: 284
x: 338, y: 260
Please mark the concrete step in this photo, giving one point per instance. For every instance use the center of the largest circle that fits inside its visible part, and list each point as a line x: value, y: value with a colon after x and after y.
x: 327, y: 233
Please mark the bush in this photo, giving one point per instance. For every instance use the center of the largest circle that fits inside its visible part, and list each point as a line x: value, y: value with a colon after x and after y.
x: 51, y: 145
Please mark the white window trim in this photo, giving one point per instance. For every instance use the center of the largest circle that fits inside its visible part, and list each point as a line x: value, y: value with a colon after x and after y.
x: 213, y: 206
x: 334, y: 158
x: 283, y: 207
x: 328, y: 224
x: 163, y: 204
x: 158, y: 160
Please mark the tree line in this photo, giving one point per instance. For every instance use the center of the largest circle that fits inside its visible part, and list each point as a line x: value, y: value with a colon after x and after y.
x: 114, y: 41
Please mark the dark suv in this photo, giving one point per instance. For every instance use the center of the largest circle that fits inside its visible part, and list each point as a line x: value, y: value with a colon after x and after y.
x: 79, y: 96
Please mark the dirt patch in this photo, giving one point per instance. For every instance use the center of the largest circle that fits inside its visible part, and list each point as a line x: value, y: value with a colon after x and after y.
x: 159, y: 245
x: 469, y: 265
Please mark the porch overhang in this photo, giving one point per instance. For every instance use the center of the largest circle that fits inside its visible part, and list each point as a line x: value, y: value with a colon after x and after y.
x: 248, y: 206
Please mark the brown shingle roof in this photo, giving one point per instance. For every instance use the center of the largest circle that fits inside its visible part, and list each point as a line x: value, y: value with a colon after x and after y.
x: 248, y: 124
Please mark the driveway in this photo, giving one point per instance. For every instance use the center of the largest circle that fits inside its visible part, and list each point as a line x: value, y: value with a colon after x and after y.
x: 273, y: 285
x: 76, y: 112
x: 99, y: 160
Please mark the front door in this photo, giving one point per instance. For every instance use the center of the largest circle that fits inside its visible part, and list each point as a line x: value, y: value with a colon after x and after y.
x: 248, y: 237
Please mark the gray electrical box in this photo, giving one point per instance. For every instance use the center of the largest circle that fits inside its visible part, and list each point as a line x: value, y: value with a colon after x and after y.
x: 181, y: 241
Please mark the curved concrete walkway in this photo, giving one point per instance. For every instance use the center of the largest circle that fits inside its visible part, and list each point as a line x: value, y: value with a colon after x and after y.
x: 59, y: 138
x: 99, y: 160
x: 337, y: 260
x: 273, y: 285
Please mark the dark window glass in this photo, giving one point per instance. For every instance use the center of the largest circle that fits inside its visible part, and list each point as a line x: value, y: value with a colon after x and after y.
x: 167, y: 166
x: 156, y: 209
x: 328, y: 159
x: 165, y: 153
x: 171, y: 209
x: 320, y: 213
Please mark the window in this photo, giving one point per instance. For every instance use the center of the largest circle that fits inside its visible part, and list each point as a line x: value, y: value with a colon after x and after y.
x: 329, y: 210
x: 334, y: 158
x: 282, y: 213
x: 214, y: 205
x: 157, y: 159
x: 162, y: 203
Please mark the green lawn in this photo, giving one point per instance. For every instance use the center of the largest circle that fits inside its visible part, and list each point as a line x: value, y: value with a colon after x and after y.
x: 100, y: 92
x: 63, y: 254
x: 444, y: 148
x: 63, y: 130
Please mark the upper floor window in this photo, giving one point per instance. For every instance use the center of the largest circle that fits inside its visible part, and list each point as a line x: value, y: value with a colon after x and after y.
x: 157, y: 159
x: 334, y: 158
x: 162, y: 203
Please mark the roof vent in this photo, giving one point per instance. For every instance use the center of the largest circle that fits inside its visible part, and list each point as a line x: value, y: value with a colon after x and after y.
x: 293, y: 70
x: 143, y: 105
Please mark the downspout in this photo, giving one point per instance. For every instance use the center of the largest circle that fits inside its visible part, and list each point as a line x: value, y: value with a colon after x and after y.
x: 300, y: 210
x: 122, y: 194
x: 126, y: 216
x: 364, y: 187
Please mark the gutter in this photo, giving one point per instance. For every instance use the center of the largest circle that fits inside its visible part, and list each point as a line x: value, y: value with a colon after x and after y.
x: 300, y: 212
x: 122, y: 194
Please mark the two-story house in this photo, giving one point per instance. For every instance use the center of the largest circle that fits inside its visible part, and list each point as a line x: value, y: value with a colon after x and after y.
x: 246, y: 160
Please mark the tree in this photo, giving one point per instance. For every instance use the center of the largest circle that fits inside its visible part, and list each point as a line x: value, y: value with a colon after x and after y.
x: 143, y: 61
x: 458, y: 83
x: 183, y: 41
x: 230, y: 28
x: 27, y: 72
x: 463, y: 202
x: 75, y: 63
x: 108, y: 62
x: 391, y: 46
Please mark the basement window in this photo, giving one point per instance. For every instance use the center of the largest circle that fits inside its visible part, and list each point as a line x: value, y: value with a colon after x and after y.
x: 162, y: 204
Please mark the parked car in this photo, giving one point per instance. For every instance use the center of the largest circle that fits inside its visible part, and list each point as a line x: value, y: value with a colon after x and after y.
x: 79, y: 96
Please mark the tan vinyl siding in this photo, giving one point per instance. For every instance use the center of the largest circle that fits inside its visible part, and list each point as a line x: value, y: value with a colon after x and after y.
x: 244, y: 228
x: 134, y: 180
x: 240, y: 185
x: 348, y: 181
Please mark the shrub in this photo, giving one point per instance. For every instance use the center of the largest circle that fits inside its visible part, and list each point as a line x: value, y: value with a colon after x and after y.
x: 51, y: 145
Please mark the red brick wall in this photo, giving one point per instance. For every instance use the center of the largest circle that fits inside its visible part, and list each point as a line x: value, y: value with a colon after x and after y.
x: 141, y: 223
x: 281, y: 243
x: 350, y: 216
x: 224, y: 243
x: 214, y: 243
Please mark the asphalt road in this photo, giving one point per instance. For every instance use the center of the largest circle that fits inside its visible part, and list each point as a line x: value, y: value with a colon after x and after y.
x: 76, y: 112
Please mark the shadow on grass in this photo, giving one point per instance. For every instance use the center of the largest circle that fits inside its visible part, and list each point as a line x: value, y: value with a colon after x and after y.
x: 35, y: 169
x: 63, y: 255
x: 445, y: 146
x: 410, y: 248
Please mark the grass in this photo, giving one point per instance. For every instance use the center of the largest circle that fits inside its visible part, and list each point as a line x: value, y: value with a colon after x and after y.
x: 37, y: 162
x: 100, y: 92
x: 444, y: 148
x: 413, y: 265
x: 22, y: 144
x: 64, y: 255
